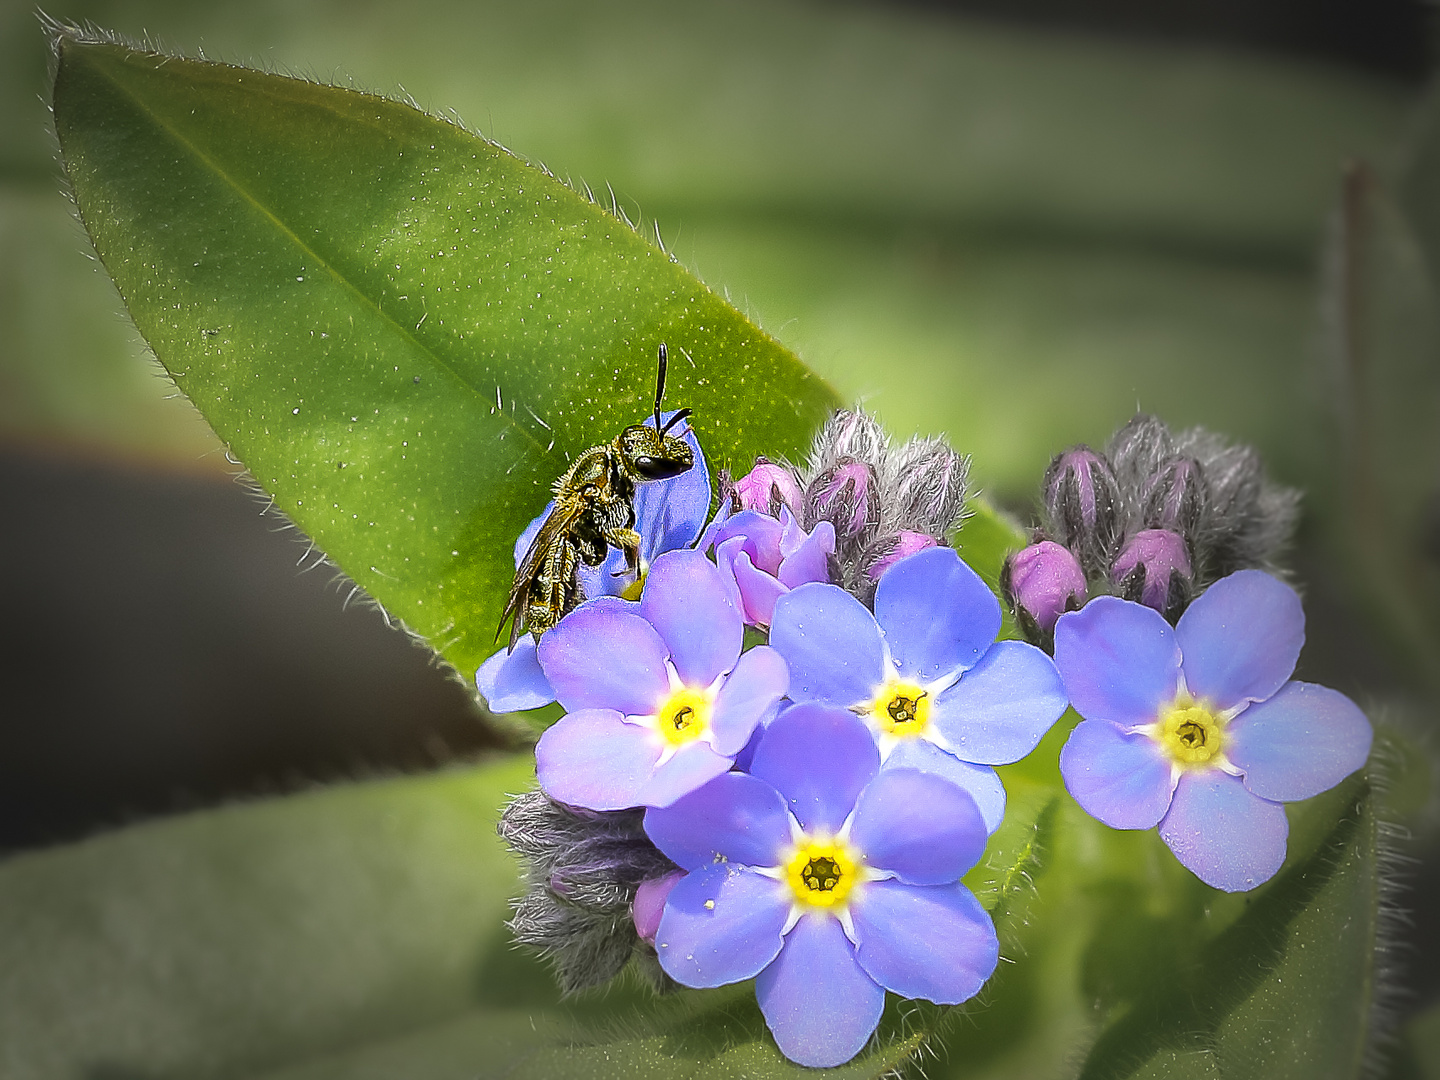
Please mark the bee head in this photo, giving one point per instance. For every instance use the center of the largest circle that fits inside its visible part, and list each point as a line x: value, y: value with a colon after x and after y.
x: 654, y: 455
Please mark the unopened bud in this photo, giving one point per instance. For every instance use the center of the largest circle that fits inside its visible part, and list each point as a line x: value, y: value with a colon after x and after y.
x: 848, y: 436
x: 649, y: 904
x: 1154, y: 569
x: 1041, y: 583
x: 1082, y: 503
x: 766, y: 488
x: 1174, y: 497
x: 896, y: 548
x: 843, y: 496
x: 929, y: 486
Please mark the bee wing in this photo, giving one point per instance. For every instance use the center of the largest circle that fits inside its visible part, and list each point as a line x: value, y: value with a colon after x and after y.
x: 556, y: 525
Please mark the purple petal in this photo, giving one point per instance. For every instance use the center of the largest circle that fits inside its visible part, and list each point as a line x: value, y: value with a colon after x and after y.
x: 807, y: 558
x: 933, y: 942
x: 831, y: 643
x: 721, y: 924
x: 758, y: 590
x: 685, y: 599
x: 511, y: 681
x: 1002, y: 707
x: 761, y: 535
x: 757, y: 684
x: 819, y: 759
x: 1241, y: 639
x: 598, y: 658
x: 594, y: 759
x: 1302, y: 741
x: 818, y: 1001
x: 1227, y: 837
x: 649, y: 903
x: 937, y: 614
x: 734, y: 817
x: 979, y: 781
x: 691, y: 768
x: 1119, y: 661
x: 1123, y: 780
x: 918, y: 825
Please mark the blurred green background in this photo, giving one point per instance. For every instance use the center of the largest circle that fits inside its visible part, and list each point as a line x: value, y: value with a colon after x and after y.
x: 1015, y: 224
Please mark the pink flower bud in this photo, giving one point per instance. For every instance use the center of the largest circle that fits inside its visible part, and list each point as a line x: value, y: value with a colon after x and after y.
x: 904, y: 543
x: 1153, y: 569
x: 843, y: 497
x: 1041, y: 583
x: 649, y: 904
x: 766, y: 488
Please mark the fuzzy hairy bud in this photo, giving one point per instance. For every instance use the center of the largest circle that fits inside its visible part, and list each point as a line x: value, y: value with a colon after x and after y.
x: 894, y: 548
x: 927, y: 481
x: 1041, y: 583
x: 843, y: 496
x: 848, y: 436
x: 1154, y: 569
x: 1175, y: 497
x: 1082, y: 503
x: 582, y: 869
x: 1249, y: 519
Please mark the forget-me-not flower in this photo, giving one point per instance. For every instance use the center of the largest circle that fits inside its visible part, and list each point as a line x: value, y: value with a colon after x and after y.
x: 669, y: 514
x: 1199, y: 729
x: 924, y: 671
x: 659, y: 699
x: 828, y: 881
x: 763, y: 558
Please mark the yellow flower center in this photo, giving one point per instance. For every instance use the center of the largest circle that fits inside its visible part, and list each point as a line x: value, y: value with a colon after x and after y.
x: 685, y: 715
x: 821, y: 873
x: 901, y: 708
x: 633, y: 590
x: 1190, y: 733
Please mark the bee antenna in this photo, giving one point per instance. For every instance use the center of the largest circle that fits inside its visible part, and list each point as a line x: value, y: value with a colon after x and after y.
x: 681, y: 415
x: 660, y: 383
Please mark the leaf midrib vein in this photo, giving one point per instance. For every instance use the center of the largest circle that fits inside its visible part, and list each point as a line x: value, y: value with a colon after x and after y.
x: 244, y: 193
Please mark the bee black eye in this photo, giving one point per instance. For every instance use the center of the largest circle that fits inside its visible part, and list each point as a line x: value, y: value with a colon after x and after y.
x: 653, y: 468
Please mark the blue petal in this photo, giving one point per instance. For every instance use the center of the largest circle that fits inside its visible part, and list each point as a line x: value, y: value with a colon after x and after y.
x: 937, y: 614
x: 1119, y: 661
x: 594, y: 759
x: 685, y: 599
x: 1001, y: 708
x: 721, y: 924
x: 1241, y: 639
x: 691, y: 768
x: 761, y: 534
x: 669, y: 514
x: 831, y: 643
x: 819, y: 759
x: 1302, y: 741
x: 919, y: 826
x: 599, y: 658
x: 734, y: 817
x: 1123, y: 780
x: 1227, y: 837
x: 818, y: 1001
x: 980, y: 781
x: 511, y: 681
x: 526, y: 538
x: 749, y: 693
x: 934, y: 942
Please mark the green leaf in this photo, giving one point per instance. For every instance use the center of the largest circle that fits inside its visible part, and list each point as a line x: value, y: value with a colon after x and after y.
x: 1284, y: 991
x: 403, y: 331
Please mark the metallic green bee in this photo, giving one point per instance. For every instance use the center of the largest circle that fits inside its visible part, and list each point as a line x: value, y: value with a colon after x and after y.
x: 594, y: 510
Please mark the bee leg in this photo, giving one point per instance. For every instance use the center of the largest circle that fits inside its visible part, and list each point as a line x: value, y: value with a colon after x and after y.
x: 628, y: 541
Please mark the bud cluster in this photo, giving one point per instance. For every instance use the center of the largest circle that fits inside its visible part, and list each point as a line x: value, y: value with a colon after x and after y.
x: 884, y: 502
x: 582, y: 871
x: 1154, y: 519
